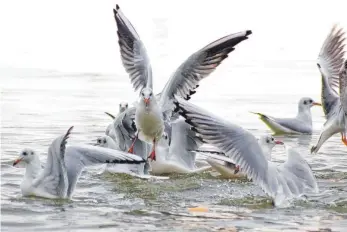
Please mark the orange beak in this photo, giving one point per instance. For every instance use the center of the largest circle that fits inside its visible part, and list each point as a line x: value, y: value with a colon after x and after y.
x: 278, y: 142
x: 146, y: 100
x: 317, y: 104
x: 17, y: 161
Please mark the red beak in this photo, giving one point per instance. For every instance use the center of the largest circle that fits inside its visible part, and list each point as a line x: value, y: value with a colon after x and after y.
x: 17, y: 161
x: 278, y: 142
x: 146, y: 100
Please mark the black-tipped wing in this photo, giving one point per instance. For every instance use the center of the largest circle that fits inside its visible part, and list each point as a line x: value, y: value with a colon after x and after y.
x: 238, y: 144
x: 199, y: 65
x: 330, y: 61
x: 133, y: 52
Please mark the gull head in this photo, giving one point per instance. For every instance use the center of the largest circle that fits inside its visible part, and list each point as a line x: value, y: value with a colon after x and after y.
x: 101, y: 141
x: 123, y: 106
x: 146, y: 96
x: 307, y: 103
x: 26, y: 156
x: 268, y: 141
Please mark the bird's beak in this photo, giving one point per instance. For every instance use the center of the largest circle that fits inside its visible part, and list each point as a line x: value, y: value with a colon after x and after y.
x: 278, y: 142
x: 146, y: 100
x: 17, y: 161
x: 316, y: 104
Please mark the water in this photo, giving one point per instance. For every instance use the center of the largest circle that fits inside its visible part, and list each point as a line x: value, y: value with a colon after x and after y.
x: 48, y: 103
x: 268, y: 73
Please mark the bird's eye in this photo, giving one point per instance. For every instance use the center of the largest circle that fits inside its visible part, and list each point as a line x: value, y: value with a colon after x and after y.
x: 272, y: 139
x: 126, y: 105
x: 310, y: 101
x: 24, y: 153
x: 150, y: 94
x: 104, y: 140
x: 305, y: 102
x: 143, y: 94
x: 99, y: 140
x: 32, y: 153
x: 267, y: 141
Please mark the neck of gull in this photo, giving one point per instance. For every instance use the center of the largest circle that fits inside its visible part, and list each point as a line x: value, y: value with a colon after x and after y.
x: 266, y: 151
x: 304, y: 114
x: 32, y: 169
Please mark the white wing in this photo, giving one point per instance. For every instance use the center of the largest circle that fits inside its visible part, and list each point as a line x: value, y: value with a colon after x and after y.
x: 298, y: 173
x: 79, y: 157
x: 291, y: 179
x: 199, y: 65
x: 329, y: 62
x: 183, y: 142
x: 343, y: 85
x: 53, y: 179
x: 133, y: 52
x: 238, y: 144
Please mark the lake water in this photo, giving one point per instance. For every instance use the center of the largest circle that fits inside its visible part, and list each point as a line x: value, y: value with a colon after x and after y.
x: 46, y: 103
x: 60, y: 66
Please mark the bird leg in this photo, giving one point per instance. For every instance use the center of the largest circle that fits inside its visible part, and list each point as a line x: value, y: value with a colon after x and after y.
x: 131, y: 149
x: 152, y: 155
x: 344, y: 140
x: 237, y: 169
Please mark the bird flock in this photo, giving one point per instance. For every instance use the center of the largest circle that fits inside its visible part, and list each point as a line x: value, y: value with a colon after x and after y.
x: 163, y: 132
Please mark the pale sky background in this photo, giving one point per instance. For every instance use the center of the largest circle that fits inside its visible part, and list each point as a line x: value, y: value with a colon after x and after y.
x: 81, y: 36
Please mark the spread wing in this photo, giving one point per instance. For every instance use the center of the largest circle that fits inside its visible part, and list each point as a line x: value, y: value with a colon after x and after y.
x: 343, y: 85
x: 198, y: 66
x: 79, y: 157
x: 133, y: 52
x: 53, y: 179
x: 238, y: 144
x: 329, y: 62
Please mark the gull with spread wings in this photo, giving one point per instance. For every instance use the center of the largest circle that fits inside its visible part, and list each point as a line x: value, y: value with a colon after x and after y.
x: 64, y: 165
x: 282, y: 182
x: 333, y: 71
x: 153, y: 111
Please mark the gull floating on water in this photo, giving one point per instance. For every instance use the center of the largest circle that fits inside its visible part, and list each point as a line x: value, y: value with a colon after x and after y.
x: 229, y: 170
x: 301, y: 124
x: 333, y: 72
x: 151, y: 113
x: 64, y: 166
x: 291, y: 179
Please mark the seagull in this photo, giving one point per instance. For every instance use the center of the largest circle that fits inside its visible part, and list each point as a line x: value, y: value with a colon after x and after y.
x: 137, y: 170
x: 64, y: 166
x: 282, y: 182
x: 110, y: 128
x: 229, y: 170
x: 301, y: 124
x: 153, y: 111
x: 178, y: 157
x: 333, y: 72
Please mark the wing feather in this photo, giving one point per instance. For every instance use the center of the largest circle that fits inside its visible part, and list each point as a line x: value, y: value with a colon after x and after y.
x: 133, y: 52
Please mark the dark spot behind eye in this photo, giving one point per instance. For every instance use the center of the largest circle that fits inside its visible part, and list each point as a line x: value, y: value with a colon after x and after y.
x: 104, y: 140
x: 32, y: 153
x: 305, y: 102
x: 267, y: 141
x: 99, y: 140
x: 24, y: 153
